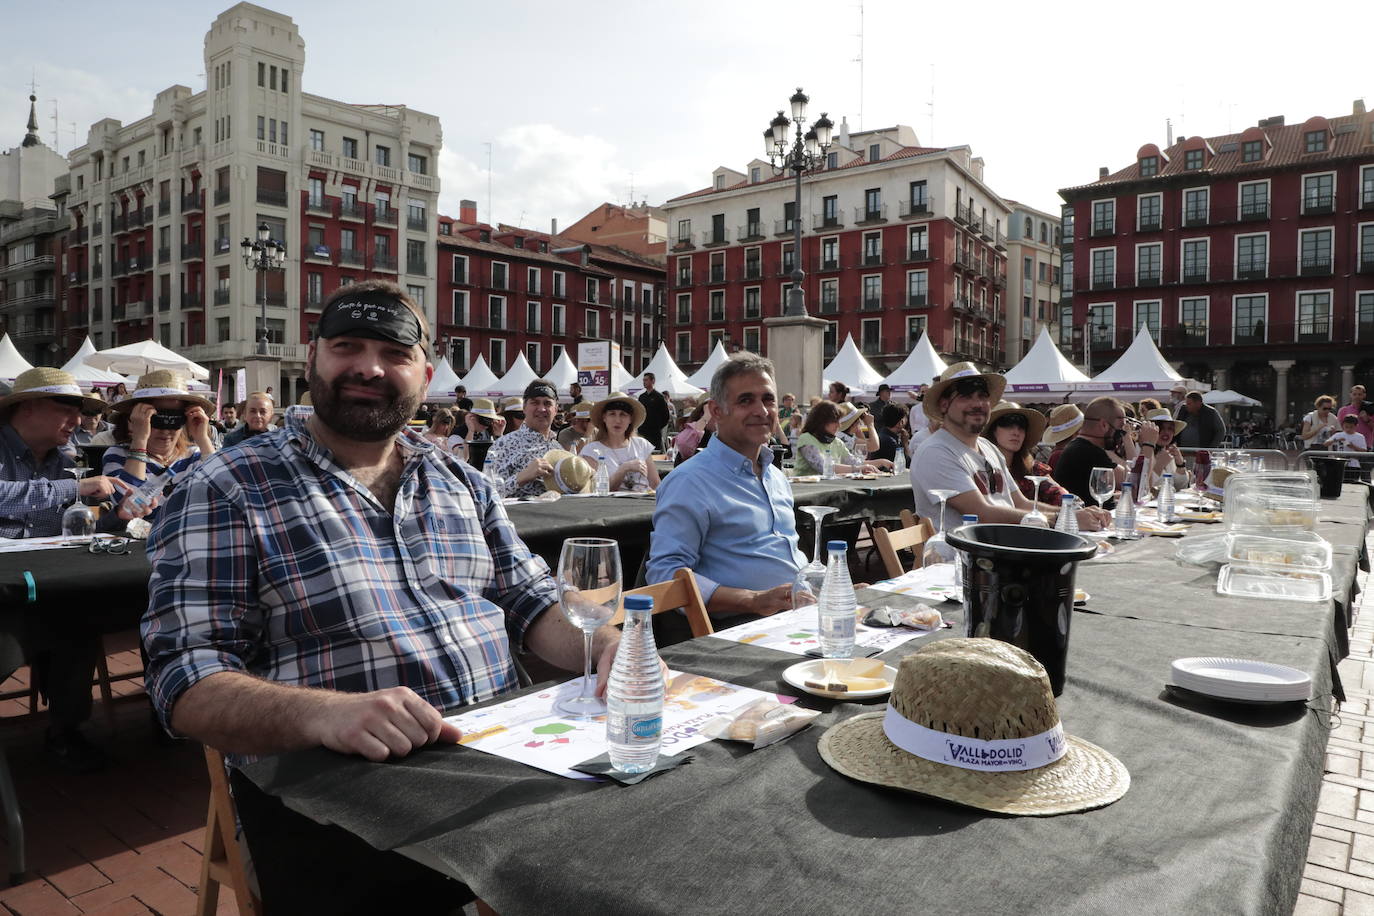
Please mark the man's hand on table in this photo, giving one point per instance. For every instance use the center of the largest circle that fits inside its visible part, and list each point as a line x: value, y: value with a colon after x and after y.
x: 1094, y: 518
x: 380, y: 724
x: 769, y: 602
x: 537, y: 468
x: 101, y: 487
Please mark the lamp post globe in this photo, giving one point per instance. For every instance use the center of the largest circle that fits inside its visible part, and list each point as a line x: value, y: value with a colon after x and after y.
x: 806, y: 152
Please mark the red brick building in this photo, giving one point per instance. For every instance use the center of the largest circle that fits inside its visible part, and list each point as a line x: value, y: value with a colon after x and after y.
x: 897, y: 239
x: 1250, y: 256
x: 503, y: 290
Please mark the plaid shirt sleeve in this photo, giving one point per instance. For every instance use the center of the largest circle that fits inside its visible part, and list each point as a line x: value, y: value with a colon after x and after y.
x: 203, y: 613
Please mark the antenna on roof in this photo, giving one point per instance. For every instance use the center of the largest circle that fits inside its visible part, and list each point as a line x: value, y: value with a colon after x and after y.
x: 1169, y: 131
x: 489, y: 222
x: 860, y: 61
x: 931, y: 103
x: 55, y: 138
x: 632, y: 189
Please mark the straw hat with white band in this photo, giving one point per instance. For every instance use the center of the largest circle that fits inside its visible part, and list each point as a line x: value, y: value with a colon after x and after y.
x: 973, y: 721
x: 569, y: 474
x: 996, y: 385
x: 1163, y: 416
x: 619, y: 399
x: 162, y: 383
x: 849, y: 414
x: 1035, y: 420
x: 1065, y: 422
x: 44, y: 382
x: 483, y: 407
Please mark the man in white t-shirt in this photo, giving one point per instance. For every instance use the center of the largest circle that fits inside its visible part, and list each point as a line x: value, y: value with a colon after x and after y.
x: 957, y: 457
x: 1349, y: 439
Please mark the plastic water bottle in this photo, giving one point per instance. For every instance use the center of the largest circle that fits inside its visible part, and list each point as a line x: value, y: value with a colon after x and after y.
x: 1165, y: 501
x: 151, y: 490
x: 838, y: 608
x: 602, y: 483
x: 1068, y: 518
x: 961, y: 559
x: 1123, y: 520
x: 634, y: 693
x: 899, y: 463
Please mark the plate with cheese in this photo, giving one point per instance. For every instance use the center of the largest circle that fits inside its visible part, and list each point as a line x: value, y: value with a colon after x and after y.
x: 842, y: 678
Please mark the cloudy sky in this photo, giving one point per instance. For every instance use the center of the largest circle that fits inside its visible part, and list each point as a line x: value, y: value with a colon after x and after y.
x: 604, y: 99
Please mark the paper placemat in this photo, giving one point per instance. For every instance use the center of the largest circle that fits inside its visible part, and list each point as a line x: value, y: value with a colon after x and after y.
x: 795, y: 631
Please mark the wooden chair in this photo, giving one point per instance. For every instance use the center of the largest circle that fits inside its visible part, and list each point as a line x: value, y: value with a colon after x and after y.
x: 911, y: 536
x: 678, y: 592
x: 223, y: 861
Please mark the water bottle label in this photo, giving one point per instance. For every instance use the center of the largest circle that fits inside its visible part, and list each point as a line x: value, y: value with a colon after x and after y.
x: 647, y: 728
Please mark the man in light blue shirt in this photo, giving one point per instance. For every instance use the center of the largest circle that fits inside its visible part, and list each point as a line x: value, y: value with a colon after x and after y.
x: 727, y: 513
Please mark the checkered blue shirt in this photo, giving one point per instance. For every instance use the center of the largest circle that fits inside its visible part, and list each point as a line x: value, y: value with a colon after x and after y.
x: 271, y: 559
x: 33, y: 493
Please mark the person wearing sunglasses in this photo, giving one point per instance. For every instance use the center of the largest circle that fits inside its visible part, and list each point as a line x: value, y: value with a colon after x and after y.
x: 440, y: 428
x: 957, y: 457
x: 1105, y: 440
x: 161, y: 427
x: 1016, y: 430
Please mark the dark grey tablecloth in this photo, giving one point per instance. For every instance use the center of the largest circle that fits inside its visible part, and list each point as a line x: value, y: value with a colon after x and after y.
x: 1217, y: 818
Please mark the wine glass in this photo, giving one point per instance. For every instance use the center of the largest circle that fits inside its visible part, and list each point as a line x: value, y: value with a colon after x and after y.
x: 78, y: 521
x: 806, y: 588
x: 937, y: 549
x: 1102, y: 484
x: 861, y: 447
x: 1035, y: 517
x: 589, y: 592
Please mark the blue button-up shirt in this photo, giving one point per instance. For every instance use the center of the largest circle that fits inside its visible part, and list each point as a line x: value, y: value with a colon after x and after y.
x: 33, y: 493
x: 270, y: 558
x: 716, y: 517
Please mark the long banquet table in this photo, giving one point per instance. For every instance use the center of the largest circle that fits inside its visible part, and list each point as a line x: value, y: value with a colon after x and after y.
x: 1217, y: 818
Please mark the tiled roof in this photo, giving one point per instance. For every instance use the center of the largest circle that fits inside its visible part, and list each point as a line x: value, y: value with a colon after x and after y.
x: 906, y: 152
x: 1288, y: 148
x: 604, y: 254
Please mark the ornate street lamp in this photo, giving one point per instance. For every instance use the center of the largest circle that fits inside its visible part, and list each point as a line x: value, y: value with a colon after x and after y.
x: 806, y: 152
x: 262, y: 256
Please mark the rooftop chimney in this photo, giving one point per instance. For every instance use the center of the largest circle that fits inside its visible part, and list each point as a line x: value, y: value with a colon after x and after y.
x: 1275, y: 121
x: 553, y: 227
x: 1359, y: 106
x: 467, y: 211
x: 1103, y: 172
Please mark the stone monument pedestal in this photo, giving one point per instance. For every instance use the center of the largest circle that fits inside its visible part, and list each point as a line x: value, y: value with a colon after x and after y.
x: 261, y: 373
x: 795, y: 346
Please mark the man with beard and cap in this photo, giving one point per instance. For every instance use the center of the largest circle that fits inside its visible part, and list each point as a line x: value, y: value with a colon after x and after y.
x: 257, y: 418
x: 518, y: 456
x: 343, y: 583
x: 956, y: 457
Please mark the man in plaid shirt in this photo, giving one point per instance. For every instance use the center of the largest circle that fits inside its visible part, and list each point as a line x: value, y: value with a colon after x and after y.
x: 340, y: 582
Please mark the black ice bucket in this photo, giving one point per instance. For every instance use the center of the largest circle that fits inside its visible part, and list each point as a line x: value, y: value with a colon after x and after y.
x: 1019, y: 588
x: 1330, y: 474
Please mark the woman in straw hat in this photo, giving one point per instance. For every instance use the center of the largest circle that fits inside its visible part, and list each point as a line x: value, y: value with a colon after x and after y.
x: 1015, y: 430
x: 820, y: 439
x: 160, y: 428
x: 1167, y: 457
x: 1065, y: 422
x: 628, y: 458
x: 440, y: 429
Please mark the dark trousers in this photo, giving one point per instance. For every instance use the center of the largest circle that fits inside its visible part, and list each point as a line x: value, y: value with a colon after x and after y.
x: 304, y: 867
x: 62, y: 661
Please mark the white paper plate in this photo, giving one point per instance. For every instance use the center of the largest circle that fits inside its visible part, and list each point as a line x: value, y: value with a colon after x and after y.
x: 797, y: 675
x: 1242, y: 679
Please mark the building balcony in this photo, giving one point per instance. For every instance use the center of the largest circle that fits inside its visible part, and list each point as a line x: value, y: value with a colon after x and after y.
x: 1315, y: 267
x: 1250, y: 271
x: 873, y: 259
x: 914, y: 255
x: 1148, y: 278
x: 827, y: 265
x: 77, y: 278
x: 119, y: 224
x: 679, y: 282
x: 1103, y: 230
x: 417, y: 267
x: 1194, y: 219
x: 97, y: 271
x: 351, y: 257
x: 1148, y: 224
x: 417, y: 223
x: 1101, y: 282
x: 683, y: 244
x: 192, y: 302
x: 35, y: 332
x: 119, y: 268
x: 913, y: 209
x: 1366, y: 266
x: 822, y: 222
x: 711, y: 238
x: 314, y: 302
x: 1367, y: 199
x: 221, y: 196
x: 222, y: 296
x: 917, y: 301
x: 749, y: 232
x: 136, y: 310
x: 785, y: 268
x: 41, y: 262
x: 870, y: 303
x: 320, y: 254
x: 868, y: 216
x: 384, y: 215
x: 98, y: 230
x: 784, y: 227
x: 717, y: 274
x: 1253, y: 212
x: 750, y: 272
x: 164, y: 302
x: 193, y: 250
x: 1318, y: 204
x: 351, y: 209
x: 196, y: 201
x: 82, y: 234
x: 323, y: 206
x: 384, y: 262
x: 271, y: 198
x: 164, y: 207
x: 829, y: 305
x: 223, y: 246
x: 164, y: 255
x: 135, y: 218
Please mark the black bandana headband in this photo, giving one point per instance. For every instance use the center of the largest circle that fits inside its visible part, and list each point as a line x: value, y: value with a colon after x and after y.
x: 374, y: 314
x: 540, y: 389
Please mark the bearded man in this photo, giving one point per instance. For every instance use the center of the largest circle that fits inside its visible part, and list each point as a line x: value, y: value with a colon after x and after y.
x: 340, y: 582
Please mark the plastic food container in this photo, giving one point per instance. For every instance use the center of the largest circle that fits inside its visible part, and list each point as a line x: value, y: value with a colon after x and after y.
x: 1277, y: 503
x: 1271, y: 584
x: 1302, y: 551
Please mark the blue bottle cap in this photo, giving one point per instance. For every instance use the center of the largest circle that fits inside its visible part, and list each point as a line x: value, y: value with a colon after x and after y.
x: 1170, y: 476
x: 833, y: 546
x: 1066, y: 498
x: 639, y: 603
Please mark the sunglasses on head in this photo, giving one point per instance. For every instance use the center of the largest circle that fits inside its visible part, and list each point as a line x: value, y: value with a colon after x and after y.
x: 967, y: 387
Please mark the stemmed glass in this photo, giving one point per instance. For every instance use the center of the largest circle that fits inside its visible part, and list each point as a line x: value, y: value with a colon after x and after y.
x: 78, y: 521
x: 1102, y: 484
x: 861, y: 448
x: 1035, y: 517
x: 806, y: 588
x: 937, y: 549
x: 589, y: 592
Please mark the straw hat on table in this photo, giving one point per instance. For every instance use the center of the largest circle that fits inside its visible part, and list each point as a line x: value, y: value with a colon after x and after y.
x: 973, y: 721
x: 162, y: 383
x: 44, y: 382
x: 570, y: 473
x: 952, y: 376
x: 1064, y: 423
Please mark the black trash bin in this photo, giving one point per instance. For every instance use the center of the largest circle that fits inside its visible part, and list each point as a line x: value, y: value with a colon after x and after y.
x: 1019, y: 588
x: 1331, y: 474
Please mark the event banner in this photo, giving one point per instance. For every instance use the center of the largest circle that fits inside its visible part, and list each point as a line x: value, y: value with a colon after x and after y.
x: 594, y: 361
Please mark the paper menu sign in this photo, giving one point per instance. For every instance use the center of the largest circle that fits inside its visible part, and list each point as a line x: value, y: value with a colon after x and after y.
x: 795, y: 632
x: 934, y: 583
x: 527, y: 730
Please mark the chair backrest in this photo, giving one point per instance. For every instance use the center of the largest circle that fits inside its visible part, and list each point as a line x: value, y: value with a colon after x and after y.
x: 223, y: 860
x: 912, y: 536
x: 678, y: 592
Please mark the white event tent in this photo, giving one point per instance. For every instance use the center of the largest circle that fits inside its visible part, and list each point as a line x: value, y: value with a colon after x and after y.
x: 479, y: 380
x: 137, y: 358
x: 1225, y: 397
x: 89, y: 376
x: 919, y: 368
x: 850, y: 367
x: 702, y: 377
x: 620, y: 378
x: 11, y: 363
x: 563, y: 373
x: 668, y: 378
x: 1141, y: 371
x: 517, y: 378
x: 1042, y: 371
x: 442, y: 384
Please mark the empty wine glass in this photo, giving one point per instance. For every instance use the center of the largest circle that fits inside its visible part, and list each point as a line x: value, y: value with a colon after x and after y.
x: 806, y: 588
x: 1102, y: 484
x: 78, y: 521
x: 589, y: 587
x: 1035, y: 517
x: 861, y: 447
x: 937, y: 549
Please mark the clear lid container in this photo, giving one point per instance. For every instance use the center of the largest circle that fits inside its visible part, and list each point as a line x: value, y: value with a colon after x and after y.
x: 1272, y: 584
x: 1276, y: 502
x: 1296, y: 550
